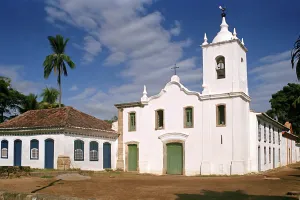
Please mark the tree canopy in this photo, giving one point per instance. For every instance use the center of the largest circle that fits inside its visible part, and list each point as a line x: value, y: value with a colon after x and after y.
x: 58, y: 60
x: 282, y: 106
x: 10, y: 99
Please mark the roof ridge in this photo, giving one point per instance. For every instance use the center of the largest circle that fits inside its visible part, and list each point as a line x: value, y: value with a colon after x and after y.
x: 68, y: 108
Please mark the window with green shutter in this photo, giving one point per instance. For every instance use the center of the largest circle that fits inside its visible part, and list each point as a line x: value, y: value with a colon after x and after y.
x: 188, y: 117
x: 132, y: 122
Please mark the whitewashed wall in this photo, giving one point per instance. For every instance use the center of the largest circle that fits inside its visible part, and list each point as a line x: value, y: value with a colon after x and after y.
x: 204, y: 153
x: 63, y: 145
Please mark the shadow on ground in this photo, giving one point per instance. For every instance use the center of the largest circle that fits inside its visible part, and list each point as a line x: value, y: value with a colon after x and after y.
x: 230, y: 195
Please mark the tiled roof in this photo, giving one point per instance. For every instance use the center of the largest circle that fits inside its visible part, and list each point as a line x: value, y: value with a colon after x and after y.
x: 56, y: 118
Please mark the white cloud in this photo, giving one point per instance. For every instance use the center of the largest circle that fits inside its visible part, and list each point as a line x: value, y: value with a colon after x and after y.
x: 88, y: 92
x: 14, y: 72
x: 73, y: 88
x: 269, y: 78
x: 135, y: 38
x: 276, y: 57
x: 115, y: 58
x: 92, y: 48
x: 176, y: 29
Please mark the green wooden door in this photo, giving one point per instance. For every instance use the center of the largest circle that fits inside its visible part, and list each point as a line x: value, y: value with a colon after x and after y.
x: 174, y: 158
x: 132, y: 157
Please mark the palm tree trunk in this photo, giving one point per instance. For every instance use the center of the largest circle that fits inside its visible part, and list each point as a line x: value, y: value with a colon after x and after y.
x: 60, y: 93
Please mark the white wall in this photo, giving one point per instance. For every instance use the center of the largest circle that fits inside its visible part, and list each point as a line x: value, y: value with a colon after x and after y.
x: 63, y: 145
x: 235, y: 68
x: 26, y: 161
x: 204, y: 153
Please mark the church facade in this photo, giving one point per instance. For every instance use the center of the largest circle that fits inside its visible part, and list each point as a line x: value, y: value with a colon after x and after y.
x: 179, y: 131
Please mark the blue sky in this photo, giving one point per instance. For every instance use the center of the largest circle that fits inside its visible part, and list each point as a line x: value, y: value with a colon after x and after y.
x: 120, y: 45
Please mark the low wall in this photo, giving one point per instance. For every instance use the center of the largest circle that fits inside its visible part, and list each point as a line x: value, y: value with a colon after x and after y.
x: 22, y: 196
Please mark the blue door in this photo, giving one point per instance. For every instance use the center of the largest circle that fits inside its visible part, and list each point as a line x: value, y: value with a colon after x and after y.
x: 17, y: 153
x: 49, y: 154
x: 106, y: 155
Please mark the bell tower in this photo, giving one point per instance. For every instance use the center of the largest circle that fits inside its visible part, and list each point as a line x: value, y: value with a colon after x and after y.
x: 224, y: 62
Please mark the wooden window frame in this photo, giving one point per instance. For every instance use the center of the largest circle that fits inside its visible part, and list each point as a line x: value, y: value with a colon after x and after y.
x: 265, y: 155
x: 217, y: 115
x: 4, y: 148
x: 77, y: 159
x: 129, y: 121
x: 94, y: 150
x: 156, y: 119
x: 265, y: 132
x: 185, y: 117
x: 270, y: 134
x: 34, y: 148
x: 259, y: 130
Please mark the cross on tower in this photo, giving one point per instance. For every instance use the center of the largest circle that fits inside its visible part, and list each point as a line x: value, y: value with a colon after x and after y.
x: 175, y: 67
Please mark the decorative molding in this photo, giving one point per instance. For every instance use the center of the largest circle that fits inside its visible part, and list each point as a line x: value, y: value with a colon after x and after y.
x: 224, y: 42
x: 173, y: 136
x: 182, y: 88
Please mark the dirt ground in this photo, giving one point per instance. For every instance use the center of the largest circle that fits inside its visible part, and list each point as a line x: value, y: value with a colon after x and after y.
x: 115, y: 185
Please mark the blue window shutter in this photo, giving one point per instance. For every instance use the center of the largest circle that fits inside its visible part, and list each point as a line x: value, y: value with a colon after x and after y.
x: 4, y: 144
x: 93, y: 146
x: 34, y: 144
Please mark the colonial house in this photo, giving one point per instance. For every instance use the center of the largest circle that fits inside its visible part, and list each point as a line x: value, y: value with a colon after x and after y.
x: 180, y: 131
x: 59, y: 138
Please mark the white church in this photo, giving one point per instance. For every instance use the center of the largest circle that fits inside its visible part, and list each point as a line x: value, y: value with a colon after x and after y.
x: 177, y: 131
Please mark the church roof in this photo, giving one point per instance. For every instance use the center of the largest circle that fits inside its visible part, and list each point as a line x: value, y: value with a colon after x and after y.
x: 65, y: 117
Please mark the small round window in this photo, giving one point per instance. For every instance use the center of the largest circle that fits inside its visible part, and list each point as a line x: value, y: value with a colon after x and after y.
x: 242, y: 60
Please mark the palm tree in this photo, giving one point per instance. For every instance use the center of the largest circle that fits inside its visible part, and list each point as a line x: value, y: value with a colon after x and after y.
x: 57, y: 60
x: 295, y: 60
x: 50, y: 95
x: 30, y: 103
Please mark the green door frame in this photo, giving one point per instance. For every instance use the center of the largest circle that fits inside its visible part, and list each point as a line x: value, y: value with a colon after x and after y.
x: 165, y: 156
x: 127, y: 154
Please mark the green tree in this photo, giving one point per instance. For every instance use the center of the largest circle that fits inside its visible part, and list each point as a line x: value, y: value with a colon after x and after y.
x: 10, y: 99
x: 281, y: 106
x: 58, y: 60
x: 112, y: 120
x: 30, y: 102
x: 295, y: 60
x: 50, y: 95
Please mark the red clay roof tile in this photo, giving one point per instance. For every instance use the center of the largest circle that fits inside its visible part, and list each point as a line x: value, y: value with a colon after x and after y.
x: 56, y: 117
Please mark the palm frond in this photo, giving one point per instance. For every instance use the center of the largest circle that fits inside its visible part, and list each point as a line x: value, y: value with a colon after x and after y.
x: 69, y: 61
x: 53, y: 44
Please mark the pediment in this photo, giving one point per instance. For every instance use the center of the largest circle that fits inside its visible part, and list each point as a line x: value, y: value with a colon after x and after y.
x: 173, y: 136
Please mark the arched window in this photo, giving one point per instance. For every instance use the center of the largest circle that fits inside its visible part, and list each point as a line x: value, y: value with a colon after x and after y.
x: 34, y: 149
x: 220, y: 67
x: 93, y: 151
x: 4, y: 149
x: 78, y: 150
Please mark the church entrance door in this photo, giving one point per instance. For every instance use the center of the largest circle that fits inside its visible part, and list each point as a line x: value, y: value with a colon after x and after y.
x: 174, y: 158
x: 17, y: 153
x: 132, y: 157
x: 49, y: 154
